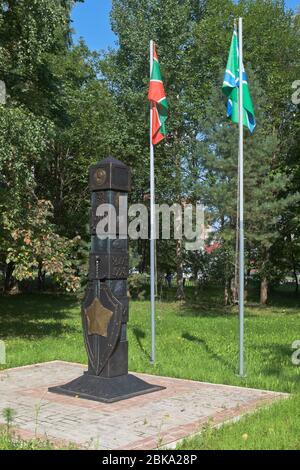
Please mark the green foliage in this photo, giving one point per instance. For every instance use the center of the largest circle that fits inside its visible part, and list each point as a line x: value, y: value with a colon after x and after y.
x: 23, y: 142
x: 28, y: 29
x: 170, y: 24
x: 266, y: 183
x: 9, y: 416
x: 49, y: 135
x: 11, y: 441
x: 138, y: 285
x: 271, y: 42
x: 68, y: 107
x: 36, y: 250
x: 82, y: 137
x: 191, y: 60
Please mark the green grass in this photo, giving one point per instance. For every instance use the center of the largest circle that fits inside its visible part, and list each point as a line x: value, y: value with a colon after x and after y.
x: 8, y: 441
x: 196, y: 339
x: 273, y: 428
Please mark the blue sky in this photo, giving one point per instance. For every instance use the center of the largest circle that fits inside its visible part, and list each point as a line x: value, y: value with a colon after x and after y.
x: 91, y: 21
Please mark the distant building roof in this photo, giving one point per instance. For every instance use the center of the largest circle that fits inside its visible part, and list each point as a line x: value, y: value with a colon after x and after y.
x: 209, y: 249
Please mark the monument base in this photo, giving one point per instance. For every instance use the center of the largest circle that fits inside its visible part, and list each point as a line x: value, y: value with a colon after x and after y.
x: 105, y: 390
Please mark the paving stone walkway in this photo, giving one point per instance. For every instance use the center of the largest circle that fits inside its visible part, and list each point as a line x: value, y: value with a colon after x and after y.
x: 145, y: 422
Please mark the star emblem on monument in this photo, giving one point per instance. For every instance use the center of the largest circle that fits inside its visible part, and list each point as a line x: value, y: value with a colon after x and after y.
x: 98, y: 318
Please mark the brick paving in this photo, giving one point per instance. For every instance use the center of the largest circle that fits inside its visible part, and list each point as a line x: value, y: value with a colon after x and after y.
x: 144, y: 422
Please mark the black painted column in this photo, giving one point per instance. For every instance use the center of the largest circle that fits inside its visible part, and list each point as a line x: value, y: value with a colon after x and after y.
x: 105, y: 307
x: 105, y: 321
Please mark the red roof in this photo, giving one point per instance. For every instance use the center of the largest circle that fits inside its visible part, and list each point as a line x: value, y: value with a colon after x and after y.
x: 211, y: 248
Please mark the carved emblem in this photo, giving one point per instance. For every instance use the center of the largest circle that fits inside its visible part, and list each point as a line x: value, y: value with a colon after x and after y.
x: 102, y: 319
x: 100, y: 176
x: 98, y: 318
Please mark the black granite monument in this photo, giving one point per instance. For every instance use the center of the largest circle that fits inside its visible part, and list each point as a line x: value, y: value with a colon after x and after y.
x: 105, y: 307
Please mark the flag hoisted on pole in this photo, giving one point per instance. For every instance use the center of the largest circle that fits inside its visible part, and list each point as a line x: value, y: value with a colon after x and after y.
x: 158, y: 117
x: 231, y: 85
x: 158, y: 99
x: 239, y: 110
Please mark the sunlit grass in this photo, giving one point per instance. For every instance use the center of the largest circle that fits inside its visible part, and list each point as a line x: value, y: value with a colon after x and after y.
x: 274, y: 428
x: 10, y: 441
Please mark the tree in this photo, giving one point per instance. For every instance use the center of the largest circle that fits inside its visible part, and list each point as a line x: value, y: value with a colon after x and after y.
x: 170, y: 24
x: 84, y: 131
x: 271, y: 44
x: 266, y: 184
x: 35, y: 250
x: 35, y: 35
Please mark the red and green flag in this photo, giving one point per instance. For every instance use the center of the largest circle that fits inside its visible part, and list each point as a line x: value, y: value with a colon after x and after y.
x: 157, y: 97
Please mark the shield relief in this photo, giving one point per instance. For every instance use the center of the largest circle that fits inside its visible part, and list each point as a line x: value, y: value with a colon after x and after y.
x: 102, y: 320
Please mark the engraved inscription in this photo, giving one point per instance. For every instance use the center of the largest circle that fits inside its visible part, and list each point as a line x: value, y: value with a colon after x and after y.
x: 119, y: 266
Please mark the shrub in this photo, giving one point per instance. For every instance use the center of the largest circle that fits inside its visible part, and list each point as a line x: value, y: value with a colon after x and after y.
x: 137, y: 286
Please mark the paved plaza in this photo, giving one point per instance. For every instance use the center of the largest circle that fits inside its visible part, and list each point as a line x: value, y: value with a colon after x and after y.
x: 145, y: 422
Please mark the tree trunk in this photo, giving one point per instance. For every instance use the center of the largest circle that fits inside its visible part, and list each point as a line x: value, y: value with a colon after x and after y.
x: 41, y: 278
x: 296, y: 280
x: 234, y: 290
x: 228, y: 292
x: 246, y: 287
x: 180, y: 290
x: 294, y: 266
x: 264, y: 290
x: 8, y: 283
x: 143, y: 249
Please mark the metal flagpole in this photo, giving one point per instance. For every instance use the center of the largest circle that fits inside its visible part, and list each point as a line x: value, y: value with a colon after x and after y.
x: 241, y: 205
x: 152, y: 222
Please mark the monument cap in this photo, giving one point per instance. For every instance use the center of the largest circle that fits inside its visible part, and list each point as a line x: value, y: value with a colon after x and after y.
x: 110, y: 174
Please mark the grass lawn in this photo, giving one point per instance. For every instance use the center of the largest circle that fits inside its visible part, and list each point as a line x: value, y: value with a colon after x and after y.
x: 10, y: 442
x: 196, y: 339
